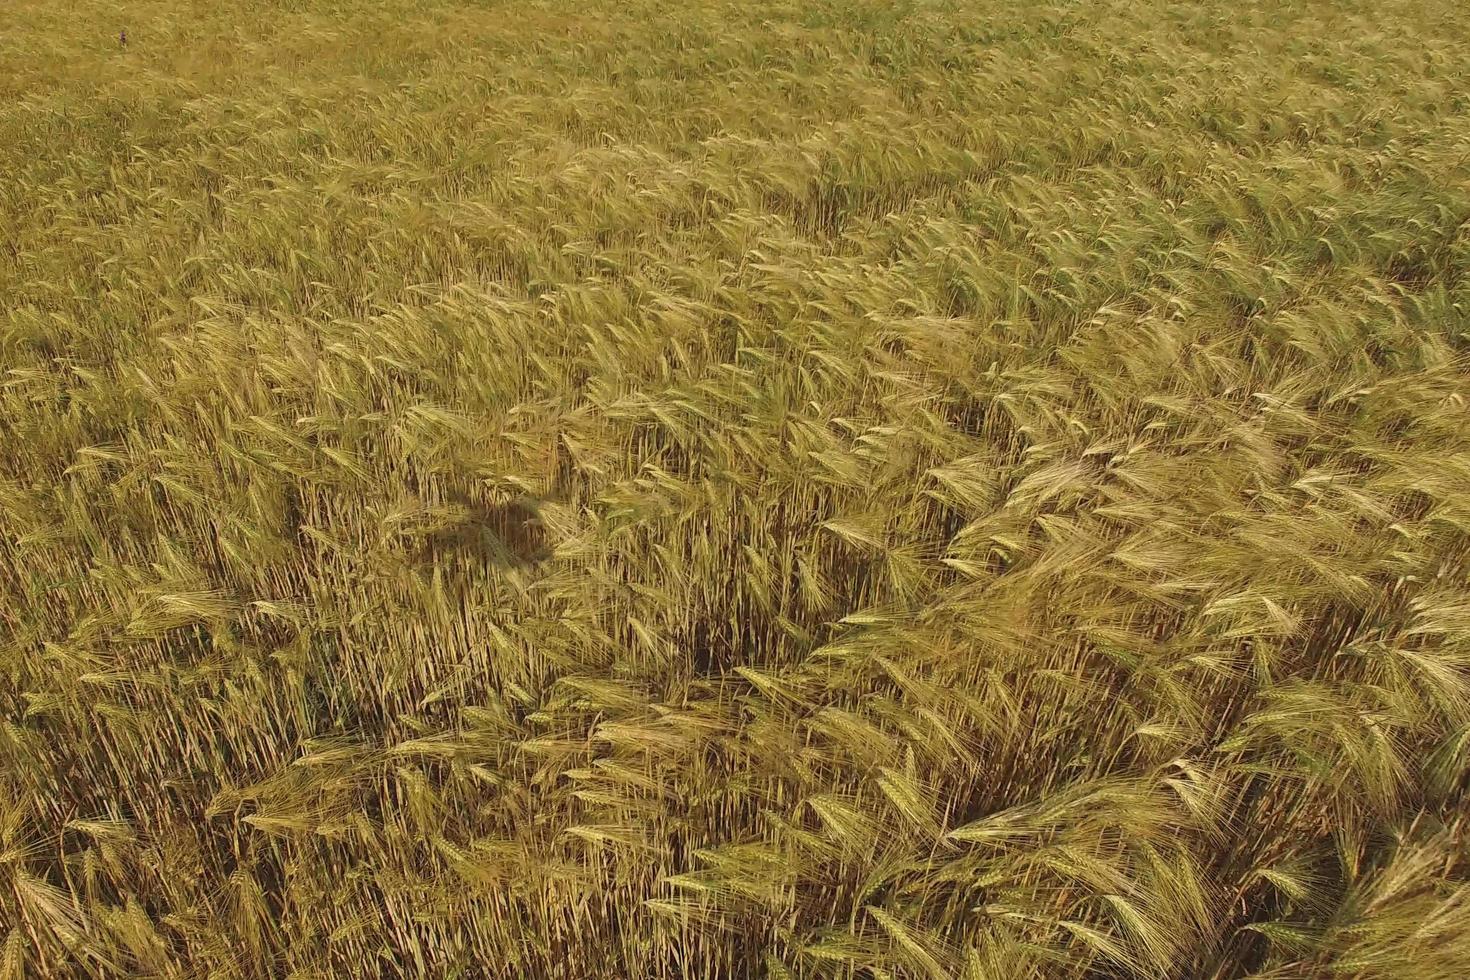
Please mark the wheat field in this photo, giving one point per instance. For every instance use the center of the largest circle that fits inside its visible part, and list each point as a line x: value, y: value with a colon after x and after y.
x: 822, y: 489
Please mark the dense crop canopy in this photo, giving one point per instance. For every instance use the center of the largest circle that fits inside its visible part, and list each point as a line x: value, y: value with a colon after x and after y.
x: 822, y: 489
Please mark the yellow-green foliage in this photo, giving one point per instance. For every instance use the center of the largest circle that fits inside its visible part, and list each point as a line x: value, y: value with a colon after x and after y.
x: 820, y: 489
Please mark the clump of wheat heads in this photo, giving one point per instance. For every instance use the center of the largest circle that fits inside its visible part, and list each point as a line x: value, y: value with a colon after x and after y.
x: 806, y: 490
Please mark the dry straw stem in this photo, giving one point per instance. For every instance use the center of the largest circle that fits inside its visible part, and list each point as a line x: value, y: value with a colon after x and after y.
x: 822, y: 489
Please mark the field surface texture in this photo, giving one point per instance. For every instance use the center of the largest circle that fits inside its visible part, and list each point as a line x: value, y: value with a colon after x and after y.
x: 824, y: 489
